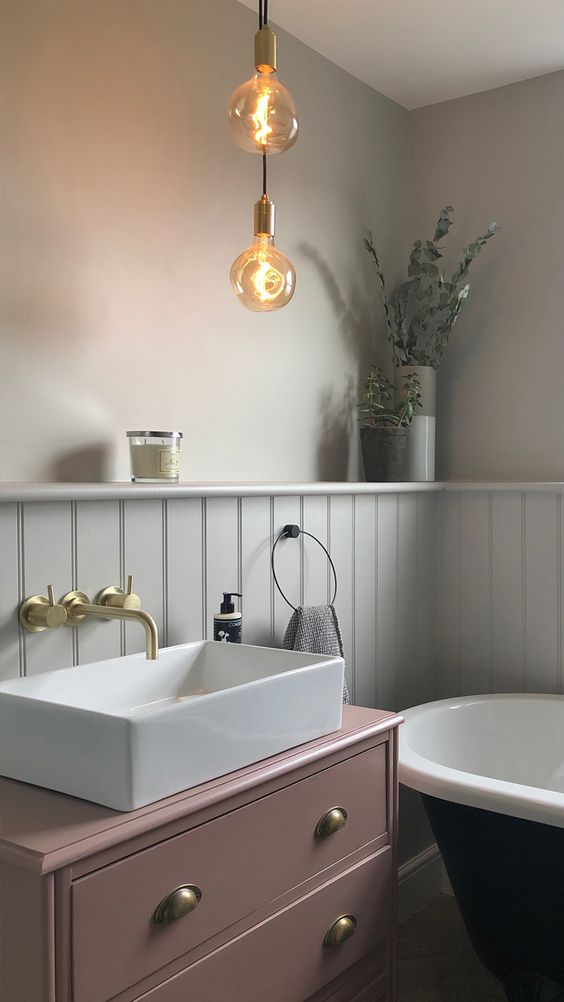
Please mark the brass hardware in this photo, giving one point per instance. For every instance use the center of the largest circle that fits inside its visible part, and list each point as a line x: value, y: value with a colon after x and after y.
x: 79, y: 607
x: 265, y: 50
x: 179, y: 902
x: 118, y: 598
x: 71, y: 602
x: 332, y: 821
x: 39, y: 613
x: 341, y: 930
x: 265, y: 214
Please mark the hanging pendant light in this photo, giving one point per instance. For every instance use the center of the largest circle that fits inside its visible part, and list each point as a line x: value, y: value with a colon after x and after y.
x: 262, y: 276
x: 262, y: 117
x: 262, y: 114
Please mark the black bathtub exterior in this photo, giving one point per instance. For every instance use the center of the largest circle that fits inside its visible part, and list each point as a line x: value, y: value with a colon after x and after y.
x: 508, y: 878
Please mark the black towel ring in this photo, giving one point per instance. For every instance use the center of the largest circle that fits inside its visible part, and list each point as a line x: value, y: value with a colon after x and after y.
x: 292, y: 532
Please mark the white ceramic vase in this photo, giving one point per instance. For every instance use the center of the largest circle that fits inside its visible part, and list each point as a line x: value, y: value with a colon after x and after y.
x: 420, y: 452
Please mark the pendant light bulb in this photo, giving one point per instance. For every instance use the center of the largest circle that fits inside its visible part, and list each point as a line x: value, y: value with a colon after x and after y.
x: 262, y: 114
x: 263, y: 278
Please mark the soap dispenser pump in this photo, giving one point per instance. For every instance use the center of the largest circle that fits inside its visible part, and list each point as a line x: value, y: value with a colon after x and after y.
x: 227, y: 623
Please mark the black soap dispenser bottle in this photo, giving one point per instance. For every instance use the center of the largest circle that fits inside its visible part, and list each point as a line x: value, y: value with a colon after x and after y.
x: 227, y: 623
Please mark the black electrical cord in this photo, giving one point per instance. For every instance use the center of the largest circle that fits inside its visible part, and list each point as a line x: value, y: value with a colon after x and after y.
x: 265, y: 12
x: 264, y: 173
x: 260, y: 14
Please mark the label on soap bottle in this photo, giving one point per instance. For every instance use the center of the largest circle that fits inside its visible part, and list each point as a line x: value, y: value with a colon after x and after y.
x: 227, y: 631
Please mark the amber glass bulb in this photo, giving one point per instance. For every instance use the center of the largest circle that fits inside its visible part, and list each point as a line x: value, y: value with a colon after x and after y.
x: 263, y: 278
x: 262, y: 115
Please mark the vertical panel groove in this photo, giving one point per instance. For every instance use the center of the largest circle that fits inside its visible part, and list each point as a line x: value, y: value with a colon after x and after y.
x: 22, y: 667
x: 490, y: 594
x: 397, y: 603
x: 353, y: 598
x: 524, y: 663
x: 240, y: 550
x: 74, y: 576
x: 559, y: 587
x: 417, y: 581
x: 376, y: 547
x: 204, y: 569
x: 270, y: 577
x: 302, y: 554
x: 459, y: 613
x: 122, y: 569
x: 165, y: 570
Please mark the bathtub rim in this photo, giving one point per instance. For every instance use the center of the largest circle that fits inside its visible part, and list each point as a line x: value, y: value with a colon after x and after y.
x: 530, y: 803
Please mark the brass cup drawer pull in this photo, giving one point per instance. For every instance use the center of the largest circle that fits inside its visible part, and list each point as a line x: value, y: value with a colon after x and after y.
x: 178, y: 903
x: 340, y: 931
x: 332, y: 821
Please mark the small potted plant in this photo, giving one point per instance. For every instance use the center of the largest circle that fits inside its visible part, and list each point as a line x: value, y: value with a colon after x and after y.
x: 420, y: 315
x: 384, y: 425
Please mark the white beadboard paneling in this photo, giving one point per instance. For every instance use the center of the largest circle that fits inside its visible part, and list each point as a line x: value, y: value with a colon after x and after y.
x: 507, y: 592
x: 317, y: 578
x: 387, y: 655
x: 11, y: 593
x: 449, y: 611
x: 184, y: 584
x: 288, y: 563
x: 407, y: 616
x: 542, y: 595
x: 341, y: 548
x: 48, y: 559
x: 366, y: 599
x: 476, y: 598
x: 143, y: 548
x: 223, y: 571
x: 255, y: 562
x: 97, y: 566
x: 427, y: 560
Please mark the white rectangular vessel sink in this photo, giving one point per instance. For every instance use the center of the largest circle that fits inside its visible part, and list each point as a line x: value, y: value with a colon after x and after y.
x: 127, y: 731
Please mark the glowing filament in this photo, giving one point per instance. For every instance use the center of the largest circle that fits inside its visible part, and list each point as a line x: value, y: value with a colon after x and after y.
x: 260, y: 121
x: 268, y: 282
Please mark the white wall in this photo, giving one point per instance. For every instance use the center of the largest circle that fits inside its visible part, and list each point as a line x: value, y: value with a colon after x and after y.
x: 499, y: 155
x: 124, y: 203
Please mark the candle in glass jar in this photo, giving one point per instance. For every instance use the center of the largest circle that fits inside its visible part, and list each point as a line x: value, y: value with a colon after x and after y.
x: 154, y: 455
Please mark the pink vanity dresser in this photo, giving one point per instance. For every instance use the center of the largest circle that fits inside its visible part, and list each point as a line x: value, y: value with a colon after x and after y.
x: 272, y: 884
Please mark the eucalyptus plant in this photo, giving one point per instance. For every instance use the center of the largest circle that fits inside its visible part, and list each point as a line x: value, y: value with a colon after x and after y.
x: 375, y: 409
x: 421, y: 313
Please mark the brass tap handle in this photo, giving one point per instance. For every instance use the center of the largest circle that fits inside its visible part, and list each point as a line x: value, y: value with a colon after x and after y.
x: 332, y: 821
x: 178, y: 903
x: 117, y: 598
x: 40, y: 613
x: 341, y: 930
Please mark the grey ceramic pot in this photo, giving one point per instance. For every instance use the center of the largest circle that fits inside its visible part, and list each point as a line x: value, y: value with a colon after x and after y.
x: 383, y: 452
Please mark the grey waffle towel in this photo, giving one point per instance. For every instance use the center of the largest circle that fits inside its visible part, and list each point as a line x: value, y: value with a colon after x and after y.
x: 315, y: 629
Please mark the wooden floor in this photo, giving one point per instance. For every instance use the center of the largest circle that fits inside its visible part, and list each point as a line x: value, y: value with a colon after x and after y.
x: 436, y: 962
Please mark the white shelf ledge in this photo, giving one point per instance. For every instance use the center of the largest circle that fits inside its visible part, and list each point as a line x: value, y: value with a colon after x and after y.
x: 15, y: 492
x: 114, y: 491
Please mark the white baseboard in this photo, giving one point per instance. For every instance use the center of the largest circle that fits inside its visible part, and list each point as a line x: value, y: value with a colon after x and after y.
x: 421, y: 879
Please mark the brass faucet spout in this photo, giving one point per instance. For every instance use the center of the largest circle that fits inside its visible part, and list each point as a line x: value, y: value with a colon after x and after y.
x: 78, y: 610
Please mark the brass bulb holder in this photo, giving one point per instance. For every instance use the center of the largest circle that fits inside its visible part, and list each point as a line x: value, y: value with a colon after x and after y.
x: 265, y: 213
x: 265, y: 50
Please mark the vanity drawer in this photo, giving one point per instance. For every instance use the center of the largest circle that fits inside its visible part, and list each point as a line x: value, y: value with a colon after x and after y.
x: 284, y: 959
x: 240, y: 862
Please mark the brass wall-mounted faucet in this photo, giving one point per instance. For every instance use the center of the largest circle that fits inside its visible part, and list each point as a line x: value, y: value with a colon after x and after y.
x: 40, y: 613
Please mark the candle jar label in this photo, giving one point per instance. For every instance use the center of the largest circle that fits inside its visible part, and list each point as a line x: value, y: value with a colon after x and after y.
x: 169, y: 460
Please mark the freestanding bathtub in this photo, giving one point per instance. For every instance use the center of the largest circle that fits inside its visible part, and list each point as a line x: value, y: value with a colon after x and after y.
x: 491, y: 771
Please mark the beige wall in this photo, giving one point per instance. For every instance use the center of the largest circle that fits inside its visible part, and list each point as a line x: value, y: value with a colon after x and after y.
x: 500, y: 155
x: 124, y: 202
